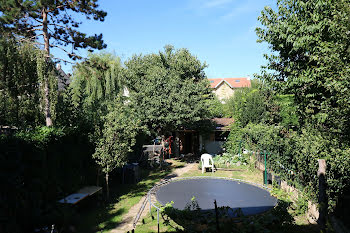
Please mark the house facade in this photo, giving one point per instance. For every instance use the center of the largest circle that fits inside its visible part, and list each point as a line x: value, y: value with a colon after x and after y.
x: 193, y: 142
x: 213, y: 143
x: 224, y: 88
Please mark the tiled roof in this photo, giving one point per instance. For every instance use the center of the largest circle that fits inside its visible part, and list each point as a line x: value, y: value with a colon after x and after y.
x: 232, y: 82
x: 214, y: 82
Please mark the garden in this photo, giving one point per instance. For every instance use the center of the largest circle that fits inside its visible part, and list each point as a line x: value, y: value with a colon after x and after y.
x: 60, y: 133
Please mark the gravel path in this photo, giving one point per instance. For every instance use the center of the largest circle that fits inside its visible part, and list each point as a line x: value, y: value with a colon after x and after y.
x: 127, y: 223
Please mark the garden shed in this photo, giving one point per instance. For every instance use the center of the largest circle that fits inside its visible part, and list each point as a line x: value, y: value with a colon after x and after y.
x: 194, y: 142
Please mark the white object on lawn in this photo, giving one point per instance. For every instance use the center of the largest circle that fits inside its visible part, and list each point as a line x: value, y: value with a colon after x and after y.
x: 207, y: 161
x: 80, y: 195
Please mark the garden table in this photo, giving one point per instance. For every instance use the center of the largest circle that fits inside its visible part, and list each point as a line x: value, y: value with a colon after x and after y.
x: 80, y: 194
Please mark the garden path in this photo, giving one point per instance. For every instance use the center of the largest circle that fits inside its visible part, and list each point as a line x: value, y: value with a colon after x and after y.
x: 127, y: 223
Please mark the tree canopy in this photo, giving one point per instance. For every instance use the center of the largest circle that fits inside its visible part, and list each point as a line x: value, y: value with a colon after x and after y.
x: 95, y: 85
x: 20, y: 92
x: 311, y: 53
x: 169, y: 89
x: 54, y: 22
x: 118, y: 137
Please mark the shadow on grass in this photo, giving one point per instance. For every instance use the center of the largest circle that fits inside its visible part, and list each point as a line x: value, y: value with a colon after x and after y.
x: 109, y: 215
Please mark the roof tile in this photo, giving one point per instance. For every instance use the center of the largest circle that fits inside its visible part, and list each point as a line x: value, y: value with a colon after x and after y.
x: 233, y: 82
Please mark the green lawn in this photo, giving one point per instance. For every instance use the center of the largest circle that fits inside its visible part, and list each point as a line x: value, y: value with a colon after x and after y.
x: 106, y: 218
x: 240, y: 172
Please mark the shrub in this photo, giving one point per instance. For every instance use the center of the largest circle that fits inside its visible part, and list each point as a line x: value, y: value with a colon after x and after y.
x: 294, y: 156
x: 38, y: 167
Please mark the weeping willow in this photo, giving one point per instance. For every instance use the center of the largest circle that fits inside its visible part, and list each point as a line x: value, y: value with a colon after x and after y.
x: 20, y: 94
x: 96, y: 83
x: 98, y: 79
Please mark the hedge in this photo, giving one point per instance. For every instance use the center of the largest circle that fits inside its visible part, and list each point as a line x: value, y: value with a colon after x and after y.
x: 294, y: 156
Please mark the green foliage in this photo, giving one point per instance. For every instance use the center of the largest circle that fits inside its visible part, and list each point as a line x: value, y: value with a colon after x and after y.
x: 195, y: 220
x: 248, y: 105
x: 48, y: 79
x: 301, y: 205
x: 298, y: 206
x: 287, y: 111
x: 118, y: 137
x: 40, y: 136
x: 281, y: 194
x: 216, y: 108
x: 310, y: 59
x: 294, y: 157
x: 234, y: 138
x: 309, y: 70
x: 168, y: 90
x: 99, y: 78
x: 95, y: 86
x: 19, y: 91
x: 39, y: 167
x: 227, y: 160
x: 27, y: 18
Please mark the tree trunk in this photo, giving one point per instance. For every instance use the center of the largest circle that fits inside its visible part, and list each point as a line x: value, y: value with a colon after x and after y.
x: 322, y: 194
x: 47, y: 106
x: 107, y: 187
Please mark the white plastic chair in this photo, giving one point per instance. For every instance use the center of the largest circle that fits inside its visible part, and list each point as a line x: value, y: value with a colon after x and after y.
x: 207, y: 161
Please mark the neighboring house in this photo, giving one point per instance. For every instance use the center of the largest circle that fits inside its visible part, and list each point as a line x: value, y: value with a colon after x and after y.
x: 63, y: 78
x: 225, y: 87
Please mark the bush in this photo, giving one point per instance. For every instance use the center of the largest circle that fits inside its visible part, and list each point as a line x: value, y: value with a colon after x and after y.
x: 227, y: 160
x: 38, y: 167
x: 294, y: 157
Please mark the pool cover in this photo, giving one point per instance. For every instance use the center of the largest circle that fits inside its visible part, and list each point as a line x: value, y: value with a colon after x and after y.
x: 251, y: 199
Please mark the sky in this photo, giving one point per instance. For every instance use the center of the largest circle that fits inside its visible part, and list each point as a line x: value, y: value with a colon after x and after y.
x: 218, y: 32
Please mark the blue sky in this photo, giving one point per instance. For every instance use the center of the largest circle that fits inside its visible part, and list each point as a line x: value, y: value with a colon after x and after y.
x: 219, y: 32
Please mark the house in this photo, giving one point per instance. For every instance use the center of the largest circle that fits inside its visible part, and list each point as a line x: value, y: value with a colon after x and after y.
x: 225, y: 87
x: 213, y: 143
x: 63, y: 78
x: 192, y: 141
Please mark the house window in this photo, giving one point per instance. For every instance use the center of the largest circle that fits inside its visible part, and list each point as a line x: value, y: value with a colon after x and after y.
x: 221, y: 136
x: 211, y: 81
x: 237, y: 81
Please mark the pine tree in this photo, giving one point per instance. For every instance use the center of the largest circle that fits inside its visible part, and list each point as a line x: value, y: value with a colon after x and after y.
x: 51, y: 21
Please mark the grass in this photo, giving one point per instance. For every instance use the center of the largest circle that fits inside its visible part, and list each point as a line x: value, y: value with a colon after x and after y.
x: 106, y: 218
x: 149, y: 224
x: 239, y: 172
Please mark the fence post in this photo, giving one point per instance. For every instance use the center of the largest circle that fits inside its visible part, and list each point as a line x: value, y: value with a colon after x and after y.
x: 322, y: 196
x: 150, y: 205
x: 158, y: 219
x: 216, y: 216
